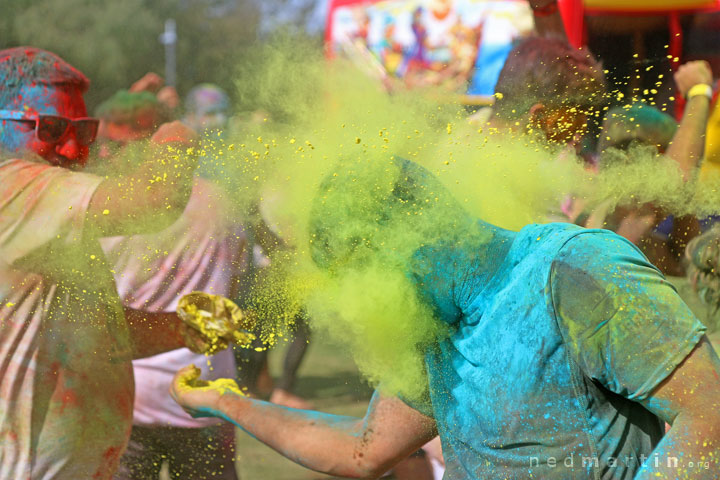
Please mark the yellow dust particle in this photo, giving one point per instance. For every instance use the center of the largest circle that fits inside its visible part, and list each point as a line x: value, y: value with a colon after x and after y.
x: 9, y: 304
x: 106, y: 212
x: 357, y: 139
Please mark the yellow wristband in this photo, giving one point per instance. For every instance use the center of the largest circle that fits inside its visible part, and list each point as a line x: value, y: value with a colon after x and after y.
x: 700, y: 89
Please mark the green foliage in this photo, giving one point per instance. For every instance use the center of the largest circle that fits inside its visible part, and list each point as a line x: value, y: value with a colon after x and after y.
x: 116, y: 42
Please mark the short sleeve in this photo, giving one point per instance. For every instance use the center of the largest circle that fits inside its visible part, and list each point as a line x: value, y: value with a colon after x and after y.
x: 622, y: 322
x: 423, y: 403
x: 433, y: 274
x: 40, y: 205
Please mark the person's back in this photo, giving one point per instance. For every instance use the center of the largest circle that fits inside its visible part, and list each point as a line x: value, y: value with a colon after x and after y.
x: 531, y: 357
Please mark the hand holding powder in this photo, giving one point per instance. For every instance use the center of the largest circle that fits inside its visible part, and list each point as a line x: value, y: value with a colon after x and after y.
x: 218, y: 320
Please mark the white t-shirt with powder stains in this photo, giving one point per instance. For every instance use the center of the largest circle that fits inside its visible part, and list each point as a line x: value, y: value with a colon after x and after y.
x: 66, y: 384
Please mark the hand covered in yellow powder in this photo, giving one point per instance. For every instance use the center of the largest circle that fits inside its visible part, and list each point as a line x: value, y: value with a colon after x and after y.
x: 200, y: 398
x: 212, y: 322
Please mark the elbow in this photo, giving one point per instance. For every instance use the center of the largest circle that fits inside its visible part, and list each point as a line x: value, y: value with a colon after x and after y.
x: 172, y: 197
x: 358, y: 465
x: 373, y: 473
x: 702, y: 425
x: 371, y: 467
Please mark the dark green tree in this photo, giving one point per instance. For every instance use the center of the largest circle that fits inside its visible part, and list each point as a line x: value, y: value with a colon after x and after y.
x: 116, y: 42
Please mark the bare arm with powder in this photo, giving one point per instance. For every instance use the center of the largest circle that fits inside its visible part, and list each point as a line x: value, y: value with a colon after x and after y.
x: 548, y: 21
x: 158, y: 332
x: 155, y: 194
x: 689, y: 400
x: 336, y: 445
x: 686, y: 147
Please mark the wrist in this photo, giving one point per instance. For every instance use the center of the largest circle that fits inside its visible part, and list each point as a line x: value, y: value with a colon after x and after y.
x: 230, y: 405
x: 550, y: 8
x: 700, y: 90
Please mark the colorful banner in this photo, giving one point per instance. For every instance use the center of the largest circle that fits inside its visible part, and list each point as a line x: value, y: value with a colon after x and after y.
x: 460, y: 45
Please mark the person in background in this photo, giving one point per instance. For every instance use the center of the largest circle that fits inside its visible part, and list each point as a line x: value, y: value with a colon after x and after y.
x: 548, y: 87
x: 202, y: 251
x: 700, y: 288
x: 66, y: 342
x: 127, y: 117
x: 626, y: 132
x: 207, y: 109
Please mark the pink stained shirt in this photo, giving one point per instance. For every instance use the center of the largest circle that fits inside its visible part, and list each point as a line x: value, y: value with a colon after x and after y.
x: 66, y: 385
x: 205, y: 250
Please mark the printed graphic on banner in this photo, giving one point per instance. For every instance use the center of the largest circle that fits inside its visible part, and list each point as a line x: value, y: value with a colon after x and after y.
x: 460, y: 45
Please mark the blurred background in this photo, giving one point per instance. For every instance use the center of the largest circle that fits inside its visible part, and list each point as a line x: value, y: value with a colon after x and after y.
x: 115, y: 43
x: 194, y: 41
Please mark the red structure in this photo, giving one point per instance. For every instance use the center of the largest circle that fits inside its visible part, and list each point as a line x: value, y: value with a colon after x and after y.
x: 574, y: 11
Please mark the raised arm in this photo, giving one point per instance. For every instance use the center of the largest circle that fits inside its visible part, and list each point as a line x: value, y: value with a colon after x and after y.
x: 332, y: 444
x: 548, y: 21
x: 687, y: 144
x: 689, y: 400
x: 155, y: 194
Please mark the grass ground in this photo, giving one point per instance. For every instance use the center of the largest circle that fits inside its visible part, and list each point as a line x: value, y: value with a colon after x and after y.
x: 329, y: 379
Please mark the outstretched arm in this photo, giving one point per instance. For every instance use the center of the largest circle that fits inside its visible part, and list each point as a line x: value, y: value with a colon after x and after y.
x: 689, y: 400
x: 155, y: 194
x: 332, y: 444
x: 153, y: 333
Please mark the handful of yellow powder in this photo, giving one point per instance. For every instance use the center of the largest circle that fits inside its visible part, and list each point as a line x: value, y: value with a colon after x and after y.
x: 219, y: 319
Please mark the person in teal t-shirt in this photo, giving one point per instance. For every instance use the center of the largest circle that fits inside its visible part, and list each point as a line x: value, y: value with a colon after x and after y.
x: 564, y: 352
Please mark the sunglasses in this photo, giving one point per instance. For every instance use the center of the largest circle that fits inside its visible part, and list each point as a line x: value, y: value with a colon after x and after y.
x: 52, y: 128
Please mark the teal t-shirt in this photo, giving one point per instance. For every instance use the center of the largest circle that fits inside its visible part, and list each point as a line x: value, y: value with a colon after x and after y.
x: 556, y: 333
